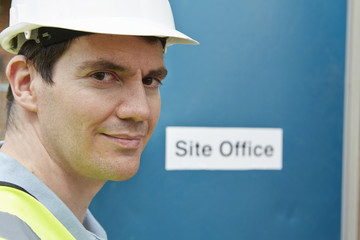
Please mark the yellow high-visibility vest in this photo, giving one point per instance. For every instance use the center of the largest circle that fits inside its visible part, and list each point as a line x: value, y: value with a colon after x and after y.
x: 33, y: 213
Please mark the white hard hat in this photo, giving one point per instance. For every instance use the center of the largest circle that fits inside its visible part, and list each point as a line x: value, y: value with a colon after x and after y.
x: 122, y: 17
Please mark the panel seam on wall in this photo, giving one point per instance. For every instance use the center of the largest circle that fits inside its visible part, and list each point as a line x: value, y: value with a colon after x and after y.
x: 350, y: 173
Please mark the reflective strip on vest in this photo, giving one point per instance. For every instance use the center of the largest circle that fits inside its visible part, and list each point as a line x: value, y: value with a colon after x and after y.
x: 33, y: 213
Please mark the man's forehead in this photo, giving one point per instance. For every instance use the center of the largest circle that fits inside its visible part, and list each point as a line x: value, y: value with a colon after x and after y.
x: 124, y: 40
x: 112, y: 45
x: 116, y: 52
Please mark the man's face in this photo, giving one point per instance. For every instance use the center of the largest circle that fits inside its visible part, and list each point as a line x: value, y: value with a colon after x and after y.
x: 97, y: 117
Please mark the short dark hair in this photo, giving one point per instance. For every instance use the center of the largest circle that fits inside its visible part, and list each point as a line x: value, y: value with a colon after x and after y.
x: 43, y: 60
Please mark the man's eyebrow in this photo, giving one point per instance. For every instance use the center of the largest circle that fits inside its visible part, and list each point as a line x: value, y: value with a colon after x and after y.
x: 161, y: 72
x: 102, y: 64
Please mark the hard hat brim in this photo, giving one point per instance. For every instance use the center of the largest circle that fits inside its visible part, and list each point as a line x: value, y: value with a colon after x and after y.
x: 116, y: 26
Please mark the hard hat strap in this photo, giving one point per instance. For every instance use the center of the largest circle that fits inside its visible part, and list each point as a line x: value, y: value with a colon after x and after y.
x: 49, y: 36
x: 45, y: 36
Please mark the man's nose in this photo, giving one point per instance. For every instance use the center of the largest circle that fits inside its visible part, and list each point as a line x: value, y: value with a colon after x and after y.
x: 134, y: 104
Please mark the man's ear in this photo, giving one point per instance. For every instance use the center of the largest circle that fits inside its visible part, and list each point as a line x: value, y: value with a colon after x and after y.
x: 18, y: 73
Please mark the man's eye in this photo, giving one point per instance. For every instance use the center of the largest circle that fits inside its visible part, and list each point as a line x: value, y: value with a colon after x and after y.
x: 102, y: 76
x: 151, y: 82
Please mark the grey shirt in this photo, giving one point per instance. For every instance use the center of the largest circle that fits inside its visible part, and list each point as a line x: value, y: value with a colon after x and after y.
x: 13, y: 172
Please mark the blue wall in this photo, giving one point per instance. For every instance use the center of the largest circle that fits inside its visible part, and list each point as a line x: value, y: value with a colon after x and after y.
x: 269, y: 63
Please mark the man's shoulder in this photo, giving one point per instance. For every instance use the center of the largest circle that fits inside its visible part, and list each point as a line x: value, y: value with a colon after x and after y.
x: 12, y: 227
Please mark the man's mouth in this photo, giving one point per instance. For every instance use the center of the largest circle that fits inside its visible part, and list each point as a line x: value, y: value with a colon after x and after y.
x: 125, y: 141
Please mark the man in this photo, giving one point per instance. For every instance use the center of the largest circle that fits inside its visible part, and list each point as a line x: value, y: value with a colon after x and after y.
x: 83, y: 103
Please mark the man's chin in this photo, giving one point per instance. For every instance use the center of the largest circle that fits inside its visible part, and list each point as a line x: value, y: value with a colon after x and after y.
x: 125, y: 172
x: 122, y: 177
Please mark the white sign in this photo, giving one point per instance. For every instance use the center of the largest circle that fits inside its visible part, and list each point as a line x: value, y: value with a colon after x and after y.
x: 204, y: 148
